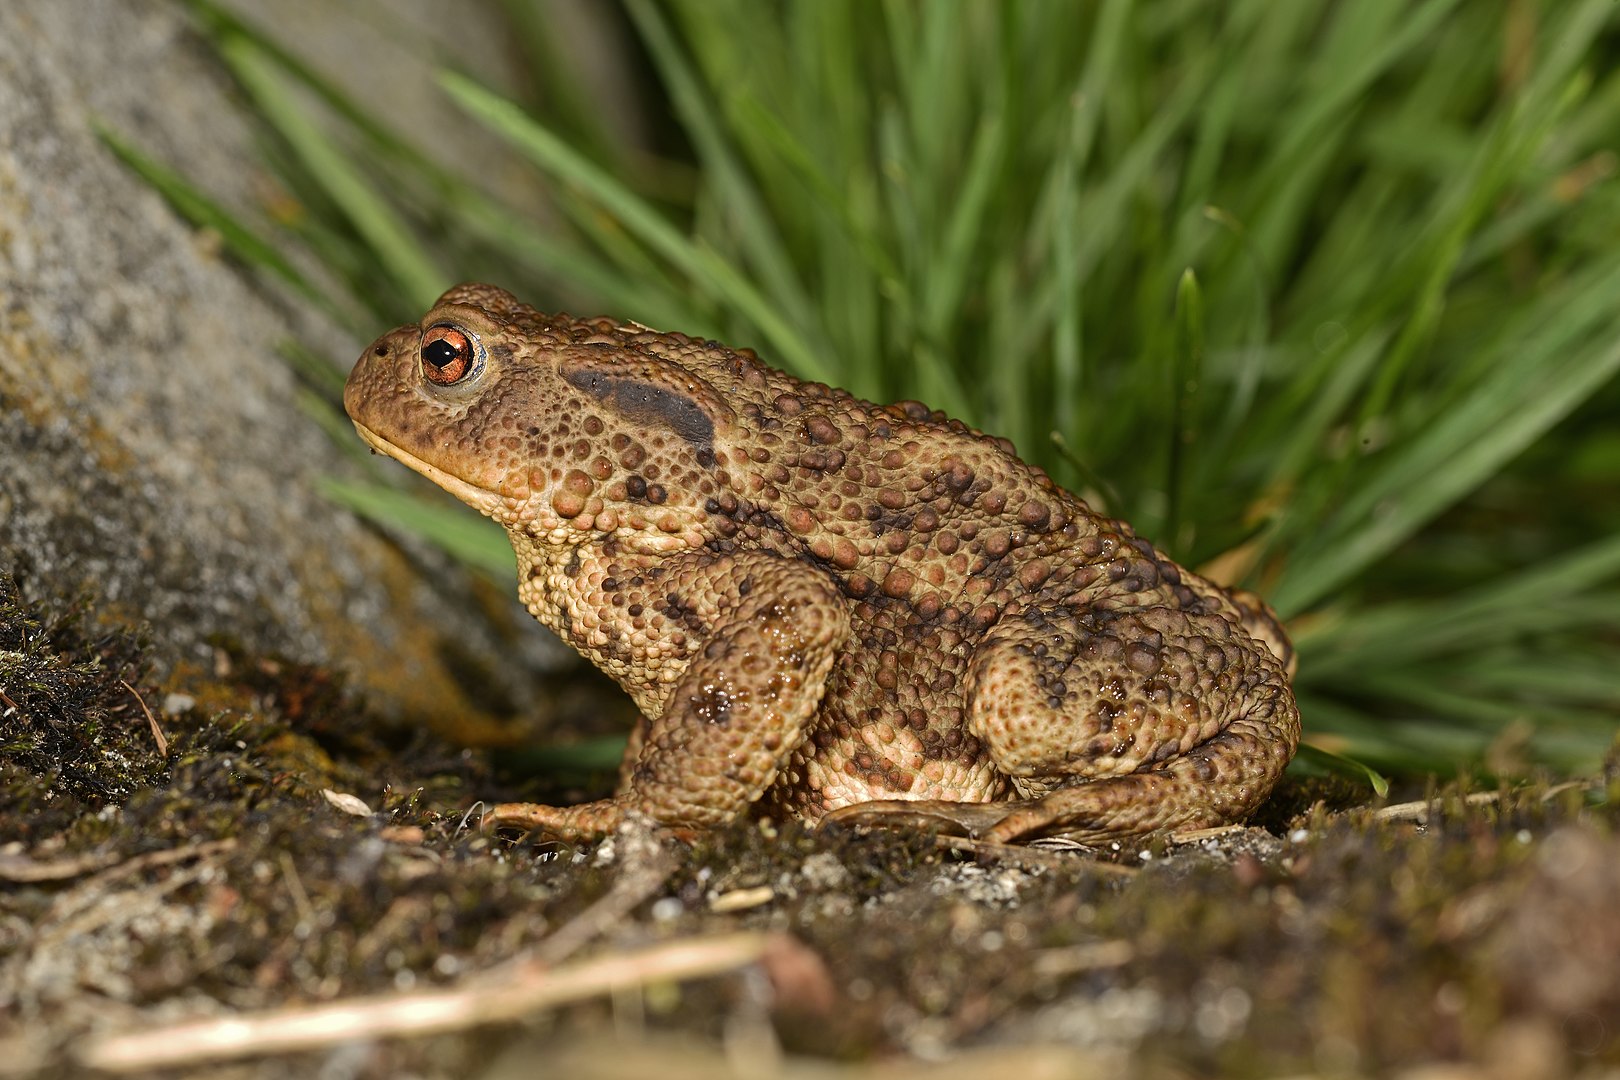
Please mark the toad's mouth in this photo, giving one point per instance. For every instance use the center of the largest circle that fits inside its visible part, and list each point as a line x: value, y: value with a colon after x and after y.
x: 485, y: 502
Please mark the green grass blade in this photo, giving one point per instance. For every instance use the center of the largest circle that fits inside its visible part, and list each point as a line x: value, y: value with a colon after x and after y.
x: 597, y: 755
x: 471, y: 539
x: 1187, y: 370
x: 1555, y: 596
x: 399, y: 254
x: 710, y: 273
x: 1344, y: 765
x: 943, y: 296
x: 204, y: 213
x: 757, y: 234
x: 1531, y: 389
x: 320, y: 372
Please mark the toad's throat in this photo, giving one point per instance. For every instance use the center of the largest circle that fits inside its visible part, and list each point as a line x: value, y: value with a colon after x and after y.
x: 486, y: 502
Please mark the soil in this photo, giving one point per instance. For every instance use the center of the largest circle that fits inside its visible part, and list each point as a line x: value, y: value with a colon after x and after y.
x: 257, y: 852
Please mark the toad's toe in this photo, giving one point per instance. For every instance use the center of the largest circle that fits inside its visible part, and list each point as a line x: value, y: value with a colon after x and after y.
x: 976, y: 819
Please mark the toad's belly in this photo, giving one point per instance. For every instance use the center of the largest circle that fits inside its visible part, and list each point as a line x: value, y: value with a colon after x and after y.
x: 880, y: 761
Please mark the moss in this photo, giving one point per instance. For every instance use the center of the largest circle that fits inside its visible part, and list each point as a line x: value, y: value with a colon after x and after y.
x: 220, y: 877
x: 72, y: 731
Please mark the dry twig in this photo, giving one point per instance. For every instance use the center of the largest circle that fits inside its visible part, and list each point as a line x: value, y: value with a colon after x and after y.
x: 647, y: 867
x: 24, y: 869
x: 529, y: 989
x: 141, y: 863
x: 67, y: 913
x: 1074, y: 959
x: 1420, y: 810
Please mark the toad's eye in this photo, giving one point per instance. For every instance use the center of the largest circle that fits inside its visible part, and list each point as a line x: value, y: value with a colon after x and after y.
x: 447, y: 355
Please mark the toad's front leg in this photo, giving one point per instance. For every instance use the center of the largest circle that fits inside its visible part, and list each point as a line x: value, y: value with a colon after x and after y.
x: 731, y: 720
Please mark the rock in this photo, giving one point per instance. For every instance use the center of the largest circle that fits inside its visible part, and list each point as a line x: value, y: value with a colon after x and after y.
x: 152, y: 449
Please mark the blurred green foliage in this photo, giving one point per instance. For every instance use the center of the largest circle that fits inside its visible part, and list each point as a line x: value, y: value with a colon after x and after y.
x: 1327, y: 294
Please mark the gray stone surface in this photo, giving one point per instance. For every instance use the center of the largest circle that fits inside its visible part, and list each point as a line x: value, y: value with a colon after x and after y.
x: 152, y: 451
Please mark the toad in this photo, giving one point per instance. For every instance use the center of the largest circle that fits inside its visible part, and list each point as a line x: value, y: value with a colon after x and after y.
x: 826, y: 608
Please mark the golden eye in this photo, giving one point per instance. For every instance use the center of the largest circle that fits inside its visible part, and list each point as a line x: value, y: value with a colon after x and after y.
x: 447, y: 355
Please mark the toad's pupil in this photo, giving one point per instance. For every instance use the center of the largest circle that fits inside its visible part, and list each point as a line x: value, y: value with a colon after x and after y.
x: 441, y: 353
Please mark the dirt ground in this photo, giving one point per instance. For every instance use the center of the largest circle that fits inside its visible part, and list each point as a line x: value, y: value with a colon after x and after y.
x: 245, y: 879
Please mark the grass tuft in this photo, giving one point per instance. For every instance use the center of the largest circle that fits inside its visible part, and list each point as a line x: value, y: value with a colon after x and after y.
x: 1320, y: 297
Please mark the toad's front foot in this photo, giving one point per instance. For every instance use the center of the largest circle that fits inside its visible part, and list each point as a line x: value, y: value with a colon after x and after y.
x: 582, y: 823
x: 586, y: 821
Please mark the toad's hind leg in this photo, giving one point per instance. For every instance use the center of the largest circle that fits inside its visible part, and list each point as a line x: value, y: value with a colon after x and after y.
x: 1119, y: 723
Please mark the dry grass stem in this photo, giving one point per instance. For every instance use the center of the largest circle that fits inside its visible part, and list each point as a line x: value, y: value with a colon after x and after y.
x: 530, y: 989
x: 646, y: 874
x: 157, y: 732
x: 1420, y: 810
x: 1074, y: 959
x: 20, y: 868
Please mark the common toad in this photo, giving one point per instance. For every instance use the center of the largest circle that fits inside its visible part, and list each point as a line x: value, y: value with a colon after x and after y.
x: 824, y: 606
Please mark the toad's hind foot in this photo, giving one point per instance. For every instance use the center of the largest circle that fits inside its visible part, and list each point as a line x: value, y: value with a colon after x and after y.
x: 1115, y: 808
x: 974, y: 819
x: 1088, y: 812
x: 1122, y: 723
x: 1218, y: 782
